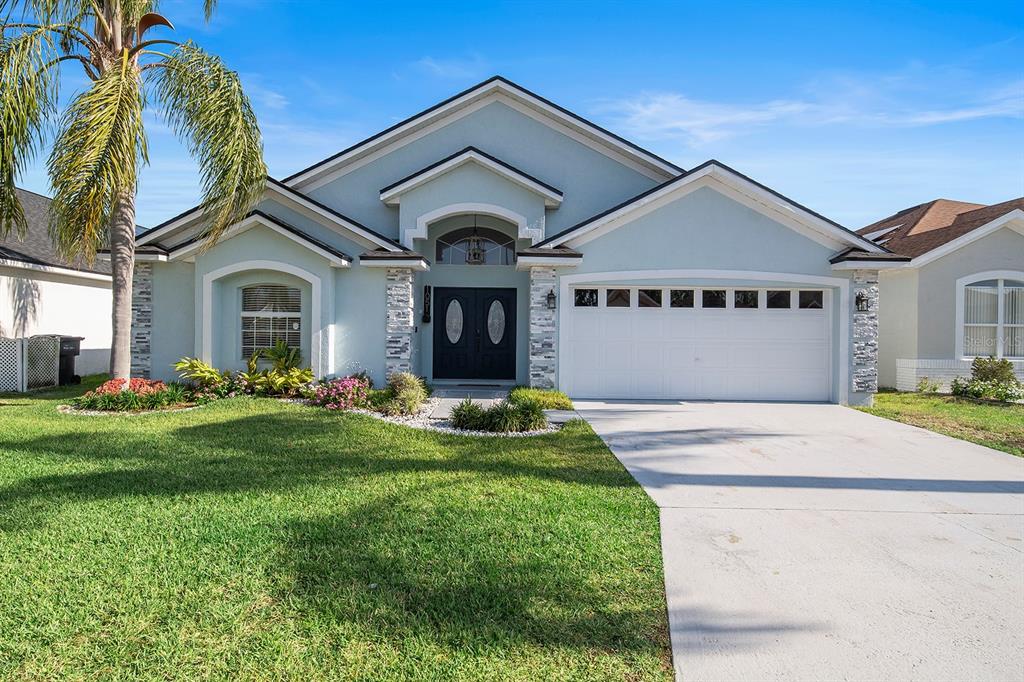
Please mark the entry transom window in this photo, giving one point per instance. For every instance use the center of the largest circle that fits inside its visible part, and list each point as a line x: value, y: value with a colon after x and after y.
x: 270, y: 313
x: 475, y: 246
x: 993, y: 318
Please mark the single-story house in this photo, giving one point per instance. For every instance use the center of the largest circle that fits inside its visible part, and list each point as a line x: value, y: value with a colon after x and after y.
x: 960, y: 296
x: 497, y: 237
x: 41, y: 293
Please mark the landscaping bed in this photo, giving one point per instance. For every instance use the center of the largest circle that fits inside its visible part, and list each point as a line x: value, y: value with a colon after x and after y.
x: 260, y: 538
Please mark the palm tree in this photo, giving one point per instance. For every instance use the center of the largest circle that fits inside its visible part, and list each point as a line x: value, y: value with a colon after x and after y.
x: 99, y: 141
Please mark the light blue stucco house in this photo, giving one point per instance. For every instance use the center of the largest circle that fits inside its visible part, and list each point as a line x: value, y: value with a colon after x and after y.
x: 498, y: 238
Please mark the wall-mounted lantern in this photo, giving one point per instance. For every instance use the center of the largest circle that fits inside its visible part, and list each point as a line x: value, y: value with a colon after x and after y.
x: 552, y: 300
x: 863, y: 302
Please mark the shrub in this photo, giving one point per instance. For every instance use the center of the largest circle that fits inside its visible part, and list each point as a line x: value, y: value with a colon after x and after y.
x: 405, y: 395
x: 282, y: 356
x: 926, y: 385
x: 548, y: 399
x: 143, y: 394
x: 468, y: 416
x: 204, y: 375
x: 1003, y: 391
x: 342, y: 394
x: 992, y: 369
x: 508, y: 416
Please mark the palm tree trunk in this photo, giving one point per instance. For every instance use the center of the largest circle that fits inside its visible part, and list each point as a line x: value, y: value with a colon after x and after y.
x: 122, y: 264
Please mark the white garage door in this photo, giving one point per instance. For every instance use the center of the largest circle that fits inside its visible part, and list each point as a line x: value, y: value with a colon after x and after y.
x: 728, y: 343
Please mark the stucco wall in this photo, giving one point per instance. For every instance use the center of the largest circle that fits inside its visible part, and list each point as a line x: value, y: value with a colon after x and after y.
x: 936, y: 301
x: 706, y: 230
x: 590, y: 180
x: 41, y: 303
x: 897, y: 322
x: 173, y: 326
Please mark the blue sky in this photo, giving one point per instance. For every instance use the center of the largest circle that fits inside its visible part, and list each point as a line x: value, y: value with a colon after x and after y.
x: 853, y: 109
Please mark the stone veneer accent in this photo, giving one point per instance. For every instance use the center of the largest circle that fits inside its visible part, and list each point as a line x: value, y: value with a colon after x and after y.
x: 400, y: 325
x: 865, y: 334
x: 543, y: 331
x: 142, y: 320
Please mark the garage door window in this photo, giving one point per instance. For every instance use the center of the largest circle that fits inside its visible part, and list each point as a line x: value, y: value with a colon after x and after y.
x: 617, y: 298
x: 650, y: 298
x: 778, y: 300
x: 811, y: 300
x: 585, y: 298
x: 681, y: 298
x: 743, y: 298
x: 712, y: 298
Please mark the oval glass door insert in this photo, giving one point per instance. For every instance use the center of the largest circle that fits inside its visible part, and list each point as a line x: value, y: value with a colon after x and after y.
x: 496, y: 322
x: 453, y: 321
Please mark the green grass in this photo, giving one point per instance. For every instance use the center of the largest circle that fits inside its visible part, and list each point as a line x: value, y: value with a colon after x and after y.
x: 996, y: 425
x: 254, y: 539
x: 548, y: 399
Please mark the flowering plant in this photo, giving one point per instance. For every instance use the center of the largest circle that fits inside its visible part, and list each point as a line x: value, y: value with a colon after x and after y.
x: 342, y: 394
x: 135, y: 385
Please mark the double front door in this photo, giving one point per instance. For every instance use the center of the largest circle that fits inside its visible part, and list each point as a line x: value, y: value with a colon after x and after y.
x: 474, y: 333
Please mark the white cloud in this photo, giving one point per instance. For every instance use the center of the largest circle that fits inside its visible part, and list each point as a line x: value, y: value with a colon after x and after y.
x: 884, y: 101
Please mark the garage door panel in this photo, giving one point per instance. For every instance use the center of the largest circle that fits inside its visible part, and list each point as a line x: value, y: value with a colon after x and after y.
x: 695, y: 353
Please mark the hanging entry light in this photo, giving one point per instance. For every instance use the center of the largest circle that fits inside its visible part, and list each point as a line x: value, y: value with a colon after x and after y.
x: 475, y: 253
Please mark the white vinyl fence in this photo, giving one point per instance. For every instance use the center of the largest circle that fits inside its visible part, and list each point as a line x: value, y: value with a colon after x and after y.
x: 29, y: 363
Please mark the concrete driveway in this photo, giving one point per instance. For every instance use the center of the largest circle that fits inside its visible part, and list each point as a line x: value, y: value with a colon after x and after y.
x: 815, y: 542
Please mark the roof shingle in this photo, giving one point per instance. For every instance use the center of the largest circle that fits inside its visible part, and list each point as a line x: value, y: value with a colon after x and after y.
x: 37, y: 248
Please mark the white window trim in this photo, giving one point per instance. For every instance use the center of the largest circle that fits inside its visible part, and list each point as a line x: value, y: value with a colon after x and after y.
x: 273, y: 315
x: 961, y: 285
x: 423, y: 222
x: 840, y: 383
x: 321, y: 336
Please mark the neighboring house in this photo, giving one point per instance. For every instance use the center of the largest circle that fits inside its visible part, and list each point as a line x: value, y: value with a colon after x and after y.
x: 497, y: 237
x: 41, y: 293
x: 960, y: 296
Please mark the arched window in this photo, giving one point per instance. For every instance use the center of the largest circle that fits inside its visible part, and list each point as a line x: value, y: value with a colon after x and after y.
x: 270, y: 313
x: 475, y: 246
x: 991, y: 313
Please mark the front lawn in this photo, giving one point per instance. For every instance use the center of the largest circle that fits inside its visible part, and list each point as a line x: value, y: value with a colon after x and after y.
x: 996, y: 425
x: 253, y: 538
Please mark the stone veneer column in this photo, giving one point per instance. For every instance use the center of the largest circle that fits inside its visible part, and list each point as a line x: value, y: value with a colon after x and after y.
x: 543, y: 331
x: 865, y: 334
x: 398, y: 342
x: 142, y: 320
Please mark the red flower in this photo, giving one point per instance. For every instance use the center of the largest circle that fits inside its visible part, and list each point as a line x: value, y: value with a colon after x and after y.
x: 136, y: 385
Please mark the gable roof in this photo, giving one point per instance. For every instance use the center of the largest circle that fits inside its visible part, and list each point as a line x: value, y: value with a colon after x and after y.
x: 391, y: 194
x: 37, y: 249
x: 712, y: 168
x: 329, y: 216
x: 921, y: 229
x: 494, y: 87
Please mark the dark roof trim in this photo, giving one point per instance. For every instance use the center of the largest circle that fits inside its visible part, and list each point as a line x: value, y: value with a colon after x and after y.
x: 482, y: 153
x: 557, y: 252
x: 392, y: 255
x: 854, y: 254
x: 492, y: 79
x: 341, y: 255
x: 299, y: 195
x: 686, y: 174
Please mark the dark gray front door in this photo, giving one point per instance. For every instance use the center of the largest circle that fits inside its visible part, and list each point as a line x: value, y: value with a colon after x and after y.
x: 474, y: 333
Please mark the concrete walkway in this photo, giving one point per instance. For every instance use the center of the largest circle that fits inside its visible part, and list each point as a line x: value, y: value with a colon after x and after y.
x: 815, y: 542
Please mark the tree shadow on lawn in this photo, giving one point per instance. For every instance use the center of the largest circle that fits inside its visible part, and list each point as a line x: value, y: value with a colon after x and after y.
x: 278, y: 451
x: 423, y: 571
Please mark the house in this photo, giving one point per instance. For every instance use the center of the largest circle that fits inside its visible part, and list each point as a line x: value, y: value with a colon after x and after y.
x: 41, y: 293
x: 497, y: 237
x: 961, y: 294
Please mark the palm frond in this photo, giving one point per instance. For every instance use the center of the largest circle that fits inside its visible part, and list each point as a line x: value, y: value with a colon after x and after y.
x: 204, y: 103
x: 95, y: 158
x: 28, y: 95
x: 209, y: 7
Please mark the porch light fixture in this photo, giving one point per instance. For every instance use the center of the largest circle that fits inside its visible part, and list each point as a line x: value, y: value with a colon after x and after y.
x: 475, y: 252
x: 551, y: 299
x: 863, y: 302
